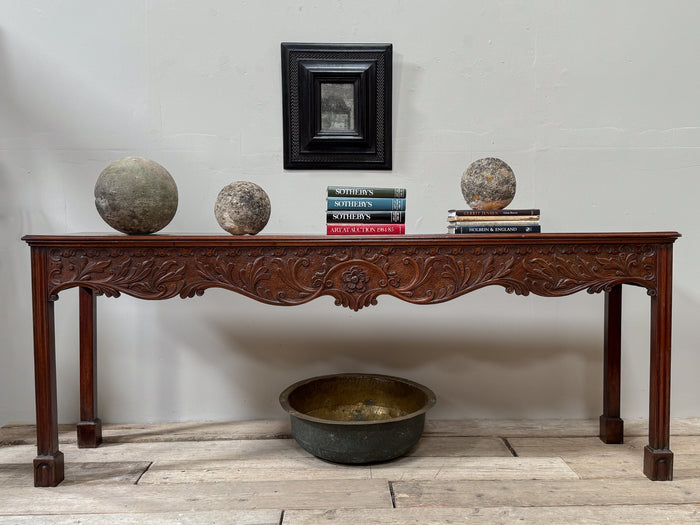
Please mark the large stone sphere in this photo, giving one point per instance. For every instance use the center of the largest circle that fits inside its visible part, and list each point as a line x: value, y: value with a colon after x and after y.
x: 242, y: 208
x: 488, y: 184
x: 136, y: 196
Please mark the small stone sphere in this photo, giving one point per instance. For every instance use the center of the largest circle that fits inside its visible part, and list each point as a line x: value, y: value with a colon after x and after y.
x: 136, y: 196
x: 242, y: 208
x: 488, y: 184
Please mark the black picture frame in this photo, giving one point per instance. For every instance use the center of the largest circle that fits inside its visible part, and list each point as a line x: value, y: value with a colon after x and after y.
x: 336, y: 102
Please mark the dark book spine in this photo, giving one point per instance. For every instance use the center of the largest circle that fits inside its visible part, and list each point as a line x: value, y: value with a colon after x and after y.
x: 479, y: 213
x: 496, y: 229
x: 366, y: 217
x: 366, y: 191
x: 491, y: 222
x: 365, y: 229
x: 369, y: 204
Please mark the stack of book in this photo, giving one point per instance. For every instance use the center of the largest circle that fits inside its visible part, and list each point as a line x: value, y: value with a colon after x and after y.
x: 493, y: 221
x: 354, y: 210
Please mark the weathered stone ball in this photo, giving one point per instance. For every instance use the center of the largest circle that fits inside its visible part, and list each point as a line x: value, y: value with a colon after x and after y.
x: 488, y: 184
x: 136, y: 196
x: 242, y: 207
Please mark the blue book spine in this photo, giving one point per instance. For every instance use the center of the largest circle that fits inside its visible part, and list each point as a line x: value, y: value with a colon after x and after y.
x: 356, y: 203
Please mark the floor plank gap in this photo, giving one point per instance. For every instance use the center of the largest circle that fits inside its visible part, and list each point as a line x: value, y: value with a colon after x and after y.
x: 510, y: 448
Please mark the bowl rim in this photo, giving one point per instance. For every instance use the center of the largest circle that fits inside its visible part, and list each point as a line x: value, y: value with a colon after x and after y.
x: 284, y: 399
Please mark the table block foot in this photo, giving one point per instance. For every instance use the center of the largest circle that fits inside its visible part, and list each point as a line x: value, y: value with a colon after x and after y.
x: 658, y: 464
x: 611, y: 430
x: 89, y: 433
x: 48, y: 470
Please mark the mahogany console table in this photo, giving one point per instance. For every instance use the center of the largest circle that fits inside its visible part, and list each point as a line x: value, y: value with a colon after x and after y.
x: 292, y: 270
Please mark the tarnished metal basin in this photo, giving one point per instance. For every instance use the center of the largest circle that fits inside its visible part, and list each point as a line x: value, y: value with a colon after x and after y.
x: 357, y: 418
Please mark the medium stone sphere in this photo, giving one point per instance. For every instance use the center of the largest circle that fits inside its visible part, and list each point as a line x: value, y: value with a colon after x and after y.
x: 488, y: 184
x: 242, y: 208
x: 136, y: 196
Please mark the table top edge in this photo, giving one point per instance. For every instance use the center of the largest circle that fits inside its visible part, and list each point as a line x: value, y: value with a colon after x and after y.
x: 170, y: 239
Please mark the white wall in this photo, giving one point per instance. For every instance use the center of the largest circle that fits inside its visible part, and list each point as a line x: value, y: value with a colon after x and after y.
x: 594, y: 104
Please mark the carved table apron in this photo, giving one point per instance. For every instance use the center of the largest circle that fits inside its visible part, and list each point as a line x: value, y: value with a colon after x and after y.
x: 292, y: 270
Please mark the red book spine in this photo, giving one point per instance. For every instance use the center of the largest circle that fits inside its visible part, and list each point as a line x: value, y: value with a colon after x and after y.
x: 365, y: 229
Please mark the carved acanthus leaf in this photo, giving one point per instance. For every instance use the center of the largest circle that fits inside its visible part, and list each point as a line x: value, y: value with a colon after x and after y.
x: 567, y: 272
x: 147, y: 278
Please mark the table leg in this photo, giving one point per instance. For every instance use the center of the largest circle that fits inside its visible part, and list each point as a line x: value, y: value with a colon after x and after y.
x: 611, y: 425
x: 48, y: 464
x: 90, y: 426
x: 658, y: 458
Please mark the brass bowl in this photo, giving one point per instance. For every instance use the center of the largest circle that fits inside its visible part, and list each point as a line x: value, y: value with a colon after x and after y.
x: 357, y: 418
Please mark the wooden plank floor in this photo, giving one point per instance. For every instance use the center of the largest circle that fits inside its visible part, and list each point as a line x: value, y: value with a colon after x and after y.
x: 253, y: 473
